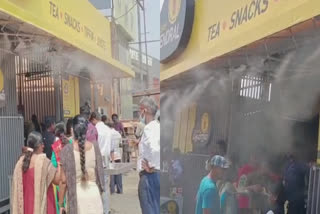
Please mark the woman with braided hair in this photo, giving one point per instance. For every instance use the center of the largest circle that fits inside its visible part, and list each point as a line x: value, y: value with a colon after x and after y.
x: 33, y: 176
x: 82, y: 174
x: 57, y: 146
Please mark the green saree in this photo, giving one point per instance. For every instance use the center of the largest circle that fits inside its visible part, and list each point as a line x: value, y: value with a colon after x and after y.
x: 56, y: 147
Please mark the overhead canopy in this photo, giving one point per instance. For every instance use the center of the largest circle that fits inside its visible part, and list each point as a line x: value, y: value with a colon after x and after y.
x: 219, y: 28
x: 75, y: 22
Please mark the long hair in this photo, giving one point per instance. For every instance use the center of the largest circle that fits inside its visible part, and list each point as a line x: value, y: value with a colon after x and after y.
x: 34, y: 141
x: 69, y: 127
x: 60, y: 133
x: 80, y: 129
x: 104, y: 119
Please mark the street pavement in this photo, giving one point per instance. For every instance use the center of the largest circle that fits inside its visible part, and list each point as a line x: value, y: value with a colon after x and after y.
x: 128, y: 202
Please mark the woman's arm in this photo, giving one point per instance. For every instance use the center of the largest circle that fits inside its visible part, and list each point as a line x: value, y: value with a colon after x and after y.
x: 62, y: 188
x: 56, y: 179
x: 112, y: 157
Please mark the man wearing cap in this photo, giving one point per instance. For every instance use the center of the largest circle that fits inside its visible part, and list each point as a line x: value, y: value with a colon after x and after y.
x: 208, y: 199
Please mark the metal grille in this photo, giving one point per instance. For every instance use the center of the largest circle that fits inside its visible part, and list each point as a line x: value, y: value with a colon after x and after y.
x: 29, y: 85
x: 254, y: 92
x: 29, y: 88
x: 11, y: 142
x: 35, y: 88
x: 313, y: 206
x: 255, y: 87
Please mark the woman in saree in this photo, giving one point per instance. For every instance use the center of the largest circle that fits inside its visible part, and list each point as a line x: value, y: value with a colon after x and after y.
x: 82, y: 175
x: 57, y: 146
x: 33, y: 176
x: 61, y: 141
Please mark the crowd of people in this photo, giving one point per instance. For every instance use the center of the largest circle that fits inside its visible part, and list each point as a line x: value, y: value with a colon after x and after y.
x: 62, y: 168
x: 255, y: 187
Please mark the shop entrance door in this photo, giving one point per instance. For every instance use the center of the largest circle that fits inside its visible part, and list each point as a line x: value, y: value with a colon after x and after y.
x: 37, y: 88
x: 251, y: 100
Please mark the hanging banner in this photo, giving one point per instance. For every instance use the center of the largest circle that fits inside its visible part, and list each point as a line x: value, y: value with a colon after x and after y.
x: 201, y: 132
x: 2, y: 94
x: 70, y: 97
x: 220, y: 27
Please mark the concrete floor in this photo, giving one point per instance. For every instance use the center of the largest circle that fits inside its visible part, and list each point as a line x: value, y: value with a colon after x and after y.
x: 128, y: 202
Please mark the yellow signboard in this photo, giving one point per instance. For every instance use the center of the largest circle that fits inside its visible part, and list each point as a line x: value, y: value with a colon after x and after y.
x: 70, y: 87
x: 223, y: 26
x: 183, y: 133
x: 76, y: 22
x: 1, y: 81
x: 205, y: 123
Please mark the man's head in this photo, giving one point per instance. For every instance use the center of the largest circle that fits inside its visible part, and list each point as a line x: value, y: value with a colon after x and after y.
x: 50, y: 125
x: 34, y: 118
x: 290, y: 157
x: 148, y: 109
x: 115, y: 118
x: 104, y: 119
x: 59, y: 129
x: 95, y: 117
x: 218, y: 165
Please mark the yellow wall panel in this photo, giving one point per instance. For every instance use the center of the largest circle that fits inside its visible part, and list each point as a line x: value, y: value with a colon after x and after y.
x: 191, y: 125
x: 183, y: 130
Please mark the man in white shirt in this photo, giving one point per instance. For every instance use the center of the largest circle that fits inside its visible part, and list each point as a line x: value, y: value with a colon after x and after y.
x: 106, y: 149
x: 149, y: 159
x: 116, y: 180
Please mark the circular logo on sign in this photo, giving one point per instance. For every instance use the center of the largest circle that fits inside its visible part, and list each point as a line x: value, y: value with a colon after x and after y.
x: 176, y: 19
x: 1, y: 80
x: 174, y: 10
x: 205, y: 123
x: 172, y: 207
